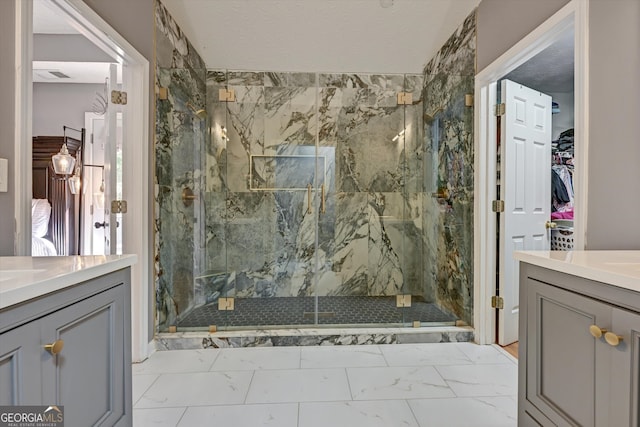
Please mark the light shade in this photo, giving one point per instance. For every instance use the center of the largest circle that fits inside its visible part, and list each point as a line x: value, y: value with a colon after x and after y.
x: 63, y: 162
x: 74, y: 184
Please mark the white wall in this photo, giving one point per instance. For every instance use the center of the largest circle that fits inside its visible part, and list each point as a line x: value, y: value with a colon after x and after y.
x: 61, y: 104
x: 66, y: 47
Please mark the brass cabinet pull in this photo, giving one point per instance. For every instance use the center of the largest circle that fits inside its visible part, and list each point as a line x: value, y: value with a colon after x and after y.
x: 55, y: 347
x: 596, y: 331
x: 309, y: 200
x: 323, y: 208
x: 550, y: 224
x: 613, y: 339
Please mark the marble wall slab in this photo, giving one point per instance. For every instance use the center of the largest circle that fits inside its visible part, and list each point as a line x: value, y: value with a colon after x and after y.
x: 448, y: 172
x: 180, y: 141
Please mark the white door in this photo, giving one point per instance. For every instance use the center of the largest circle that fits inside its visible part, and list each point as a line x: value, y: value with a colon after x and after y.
x: 525, y: 188
x: 113, y: 167
x: 93, y: 231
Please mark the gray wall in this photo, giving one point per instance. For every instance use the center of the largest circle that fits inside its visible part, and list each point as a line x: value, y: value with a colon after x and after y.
x: 67, y: 47
x: 614, y: 125
x: 7, y: 122
x: 614, y: 104
x: 61, y: 104
x: 135, y: 21
x: 503, y: 23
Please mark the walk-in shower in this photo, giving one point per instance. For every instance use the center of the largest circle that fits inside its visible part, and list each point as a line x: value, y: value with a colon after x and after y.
x: 313, y: 199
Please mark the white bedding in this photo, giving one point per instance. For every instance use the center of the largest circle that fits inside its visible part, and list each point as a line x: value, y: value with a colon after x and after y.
x: 40, y: 213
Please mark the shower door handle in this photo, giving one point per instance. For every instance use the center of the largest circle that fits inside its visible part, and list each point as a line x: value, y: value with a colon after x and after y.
x: 309, y: 199
x: 323, y: 207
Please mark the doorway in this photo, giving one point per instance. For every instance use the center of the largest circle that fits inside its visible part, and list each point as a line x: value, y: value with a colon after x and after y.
x: 135, y: 118
x: 571, y: 22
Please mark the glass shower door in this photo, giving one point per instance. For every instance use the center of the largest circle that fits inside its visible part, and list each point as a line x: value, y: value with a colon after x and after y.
x: 272, y: 183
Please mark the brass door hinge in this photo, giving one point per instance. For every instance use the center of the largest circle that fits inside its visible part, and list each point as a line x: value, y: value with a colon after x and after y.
x: 468, y: 100
x: 118, y: 97
x: 405, y: 98
x: 500, y: 110
x: 497, y: 206
x: 118, y: 206
x: 227, y: 95
x: 403, y: 300
x: 497, y: 302
x: 226, y: 304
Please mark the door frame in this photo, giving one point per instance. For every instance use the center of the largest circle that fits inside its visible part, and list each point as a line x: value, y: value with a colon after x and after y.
x: 574, y: 15
x: 135, y: 155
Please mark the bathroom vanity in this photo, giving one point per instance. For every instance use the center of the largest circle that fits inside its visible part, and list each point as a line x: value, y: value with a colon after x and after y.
x: 65, y: 336
x: 579, y: 351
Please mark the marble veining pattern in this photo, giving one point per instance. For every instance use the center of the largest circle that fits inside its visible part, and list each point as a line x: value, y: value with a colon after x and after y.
x: 398, y: 181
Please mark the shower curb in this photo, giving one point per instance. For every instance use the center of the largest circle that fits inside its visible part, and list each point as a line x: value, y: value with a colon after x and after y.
x: 310, y: 337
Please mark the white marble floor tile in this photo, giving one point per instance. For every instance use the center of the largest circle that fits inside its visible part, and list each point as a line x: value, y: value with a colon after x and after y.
x: 171, y: 361
x: 481, y: 380
x: 342, y: 356
x: 397, y: 383
x: 466, y: 411
x: 255, y: 358
x: 381, y: 413
x: 197, y: 389
x: 274, y: 415
x: 140, y: 384
x: 161, y: 417
x: 424, y: 354
x: 299, y: 385
x: 482, y: 353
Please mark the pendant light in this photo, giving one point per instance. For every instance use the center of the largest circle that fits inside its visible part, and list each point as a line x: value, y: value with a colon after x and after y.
x: 63, y: 162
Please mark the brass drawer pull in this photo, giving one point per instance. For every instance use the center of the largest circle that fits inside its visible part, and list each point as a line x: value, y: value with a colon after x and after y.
x: 309, y: 199
x: 323, y: 207
x: 55, y: 347
x: 596, y: 331
x: 613, y: 339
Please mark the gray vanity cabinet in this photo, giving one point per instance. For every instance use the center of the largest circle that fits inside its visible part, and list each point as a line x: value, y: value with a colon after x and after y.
x: 570, y: 371
x: 91, y: 374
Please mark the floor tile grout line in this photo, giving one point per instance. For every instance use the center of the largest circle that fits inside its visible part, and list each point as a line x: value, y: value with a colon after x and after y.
x: 246, y: 396
x: 415, y: 417
x: 182, y: 416
x: 146, y: 390
x: 215, y: 359
x: 346, y: 373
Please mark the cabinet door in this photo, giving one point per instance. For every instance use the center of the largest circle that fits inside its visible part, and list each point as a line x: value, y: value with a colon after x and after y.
x: 625, y: 369
x: 20, y: 351
x: 87, y: 376
x: 564, y: 361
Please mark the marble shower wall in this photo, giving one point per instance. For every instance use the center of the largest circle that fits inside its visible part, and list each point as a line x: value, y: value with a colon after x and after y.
x: 180, y: 138
x: 260, y: 235
x: 448, y: 160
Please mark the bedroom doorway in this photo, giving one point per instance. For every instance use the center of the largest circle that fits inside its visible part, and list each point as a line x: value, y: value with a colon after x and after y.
x: 135, y: 150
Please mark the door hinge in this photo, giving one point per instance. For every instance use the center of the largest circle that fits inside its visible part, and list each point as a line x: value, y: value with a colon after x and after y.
x: 118, y: 97
x: 227, y: 95
x: 500, y: 110
x: 405, y: 98
x: 403, y: 300
x: 118, y: 206
x: 497, y: 206
x: 468, y: 100
x: 497, y: 302
x: 226, y: 304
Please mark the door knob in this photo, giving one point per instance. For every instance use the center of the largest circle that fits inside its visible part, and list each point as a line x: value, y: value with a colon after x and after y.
x: 596, y: 331
x: 101, y: 224
x: 55, y: 347
x: 550, y: 224
x: 613, y: 339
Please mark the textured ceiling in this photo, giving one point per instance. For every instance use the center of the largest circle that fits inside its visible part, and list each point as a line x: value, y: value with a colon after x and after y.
x: 551, y: 70
x: 386, y: 36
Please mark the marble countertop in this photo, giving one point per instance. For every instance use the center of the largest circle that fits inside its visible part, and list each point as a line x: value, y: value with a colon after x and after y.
x: 24, y: 278
x: 618, y: 268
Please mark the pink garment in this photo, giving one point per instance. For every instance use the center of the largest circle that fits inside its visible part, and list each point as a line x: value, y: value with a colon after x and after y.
x: 562, y: 215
